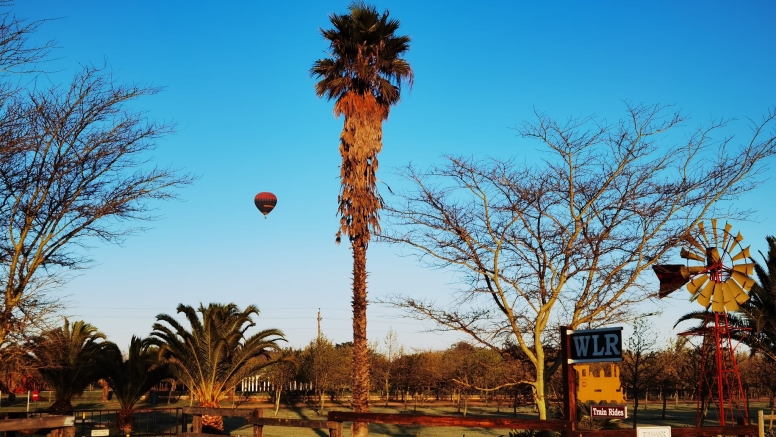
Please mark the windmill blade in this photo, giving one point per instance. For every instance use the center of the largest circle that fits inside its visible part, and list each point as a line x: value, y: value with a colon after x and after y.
x: 725, y: 235
x: 733, y: 288
x: 739, y: 238
x: 690, y: 239
x: 704, y: 297
x: 729, y: 295
x: 696, y: 283
x: 718, y: 299
x: 738, y: 293
x: 741, y: 255
x: 690, y: 254
x: 731, y: 306
x: 714, y: 231
x: 702, y: 228
x: 747, y: 268
x: 745, y: 281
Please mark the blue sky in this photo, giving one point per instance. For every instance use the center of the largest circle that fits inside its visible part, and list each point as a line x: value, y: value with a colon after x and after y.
x: 237, y: 86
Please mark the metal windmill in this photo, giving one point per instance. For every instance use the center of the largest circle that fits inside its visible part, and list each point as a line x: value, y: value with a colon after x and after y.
x: 718, y: 277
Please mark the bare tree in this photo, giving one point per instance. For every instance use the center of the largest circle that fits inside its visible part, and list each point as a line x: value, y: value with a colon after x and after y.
x: 73, y: 170
x: 641, y: 364
x: 393, y: 350
x: 566, y: 240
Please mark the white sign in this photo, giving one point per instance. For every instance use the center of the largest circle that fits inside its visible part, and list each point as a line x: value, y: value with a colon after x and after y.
x: 100, y: 432
x: 609, y: 411
x: 653, y: 431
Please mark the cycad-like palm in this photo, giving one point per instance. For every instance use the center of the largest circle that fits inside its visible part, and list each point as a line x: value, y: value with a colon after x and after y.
x: 364, y: 76
x: 68, y: 360
x: 132, y: 377
x: 760, y: 310
x: 214, y: 355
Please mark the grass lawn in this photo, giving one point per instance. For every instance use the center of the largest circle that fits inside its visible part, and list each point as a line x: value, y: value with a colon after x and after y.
x: 681, y: 415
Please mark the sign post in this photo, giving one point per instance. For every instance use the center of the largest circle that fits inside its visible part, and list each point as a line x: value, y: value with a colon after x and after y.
x: 569, y: 379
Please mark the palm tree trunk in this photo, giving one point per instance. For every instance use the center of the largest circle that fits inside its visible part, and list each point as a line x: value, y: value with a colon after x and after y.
x: 62, y: 407
x: 360, y: 402
x: 125, y: 420
x: 212, y: 424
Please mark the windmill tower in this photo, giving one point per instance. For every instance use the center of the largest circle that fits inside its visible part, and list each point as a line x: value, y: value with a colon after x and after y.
x: 719, y: 279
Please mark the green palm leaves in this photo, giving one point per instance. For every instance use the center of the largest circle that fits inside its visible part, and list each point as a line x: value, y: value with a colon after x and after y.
x: 214, y: 355
x: 68, y: 360
x: 133, y: 377
x: 366, y: 56
x: 760, y: 310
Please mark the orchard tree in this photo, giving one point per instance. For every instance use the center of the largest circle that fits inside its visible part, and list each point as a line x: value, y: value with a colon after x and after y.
x: 565, y: 240
x: 641, y: 363
x: 325, y: 367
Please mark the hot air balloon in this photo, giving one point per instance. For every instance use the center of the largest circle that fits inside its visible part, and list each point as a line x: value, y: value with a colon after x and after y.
x: 265, y: 202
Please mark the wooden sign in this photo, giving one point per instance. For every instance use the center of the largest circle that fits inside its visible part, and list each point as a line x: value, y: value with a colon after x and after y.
x: 600, y: 388
x: 595, y: 345
x: 609, y: 411
x: 100, y: 432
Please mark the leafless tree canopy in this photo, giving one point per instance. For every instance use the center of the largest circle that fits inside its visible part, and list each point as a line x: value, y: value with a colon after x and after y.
x: 17, y: 55
x: 71, y: 169
x: 566, y: 241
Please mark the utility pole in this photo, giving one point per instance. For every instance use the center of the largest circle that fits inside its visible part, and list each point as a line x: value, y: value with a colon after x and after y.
x: 319, y: 324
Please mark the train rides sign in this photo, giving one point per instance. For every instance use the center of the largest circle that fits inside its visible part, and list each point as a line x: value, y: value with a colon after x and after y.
x: 609, y: 411
x: 595, y: 345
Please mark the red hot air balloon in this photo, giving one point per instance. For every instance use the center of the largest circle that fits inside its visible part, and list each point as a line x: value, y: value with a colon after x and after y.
x: 265, y: 202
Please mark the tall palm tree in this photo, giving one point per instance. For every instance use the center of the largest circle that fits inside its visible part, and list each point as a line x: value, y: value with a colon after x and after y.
x: 364, y: 76
x: 67, y: 359
x: 132, y: 377
x: 215, y: 354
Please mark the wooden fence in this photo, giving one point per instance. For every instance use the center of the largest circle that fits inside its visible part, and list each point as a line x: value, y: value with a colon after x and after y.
x: 761, y: 418
x: 335, y: 420
x: 59, y: 426
x: 256, y: 418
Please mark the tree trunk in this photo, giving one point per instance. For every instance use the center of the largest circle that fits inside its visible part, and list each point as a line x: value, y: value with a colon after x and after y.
x: 105, y: 390
x: 62, y: 407
x: 387, y: 392
x: 360, y: 401
x: 540, y: 387
x: 212, y: 424
x: 635, y: 408
x: 277, y: 401
x: 125, y: 420
x: 663, y: 414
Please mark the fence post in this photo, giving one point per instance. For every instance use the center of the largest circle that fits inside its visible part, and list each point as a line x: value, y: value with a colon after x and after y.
x: 196, y: 423
x: 337, y: 431
x: 258, y: 430
x: 760, y: 424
